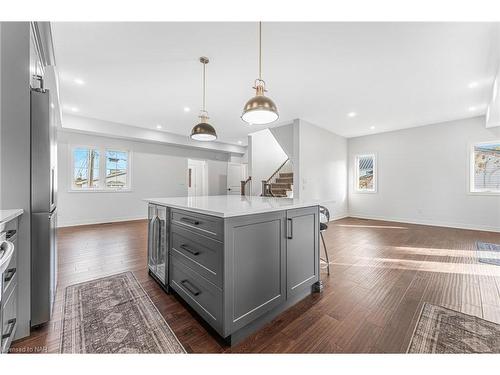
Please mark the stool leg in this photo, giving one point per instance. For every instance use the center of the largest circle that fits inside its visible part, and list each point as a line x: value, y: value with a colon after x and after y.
x: 326, y: 253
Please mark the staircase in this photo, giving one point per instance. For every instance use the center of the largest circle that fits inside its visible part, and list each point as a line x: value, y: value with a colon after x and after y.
x: 283, y: 185
x: 280, y: 184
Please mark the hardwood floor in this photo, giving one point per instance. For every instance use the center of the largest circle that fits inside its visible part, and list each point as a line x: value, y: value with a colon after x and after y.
x: 381, y: 274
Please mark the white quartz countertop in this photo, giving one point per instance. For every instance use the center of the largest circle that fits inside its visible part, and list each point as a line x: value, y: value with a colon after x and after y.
x: 8, y: 215
x: 232, y: 205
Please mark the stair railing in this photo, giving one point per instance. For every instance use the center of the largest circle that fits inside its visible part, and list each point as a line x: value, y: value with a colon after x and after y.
x: 244, y: 186
x: 266, y: 184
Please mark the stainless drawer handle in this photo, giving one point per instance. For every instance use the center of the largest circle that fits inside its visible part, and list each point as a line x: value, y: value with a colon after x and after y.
x: 190, y: 221
x: 12, y: 324
x: 190, y: 287
x: 189, y: 249
x: 9, y: 274
x: 289, y: 229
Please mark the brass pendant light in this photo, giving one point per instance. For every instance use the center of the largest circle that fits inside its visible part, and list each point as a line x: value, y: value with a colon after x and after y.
x: 203, y: 131
x: 260, y: 109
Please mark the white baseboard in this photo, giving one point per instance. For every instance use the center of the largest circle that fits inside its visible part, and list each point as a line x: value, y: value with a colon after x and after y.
x: 428, y: 222
x: 99, y: 221
x: 339, y: 216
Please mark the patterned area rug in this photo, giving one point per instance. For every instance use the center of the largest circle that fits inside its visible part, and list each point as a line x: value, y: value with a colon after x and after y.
x: 441, y: 330
x: 114, y: 315
x: 494, y: 253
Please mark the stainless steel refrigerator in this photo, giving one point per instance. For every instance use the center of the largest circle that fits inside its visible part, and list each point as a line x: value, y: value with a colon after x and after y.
x: 43, y: 207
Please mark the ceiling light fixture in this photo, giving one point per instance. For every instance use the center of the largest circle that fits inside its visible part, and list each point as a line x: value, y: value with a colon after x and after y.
x: 74, y: 109
x: 240, y: 142
x: 260, y: 109
x: 473, y: 85
x: 203, y: 131
x: 187, y: 109
x: 79, y: 81
x: 472, y: 109
x: 158, y: 126
x: 372, y: 127
x: 352, y: 114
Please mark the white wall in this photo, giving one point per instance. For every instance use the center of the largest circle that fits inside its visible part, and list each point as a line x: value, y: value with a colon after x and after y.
x: 423, y: 176
x: 322, y: 170
x: 284, y: 136
x: 265, y: 155
x: 157, y: 171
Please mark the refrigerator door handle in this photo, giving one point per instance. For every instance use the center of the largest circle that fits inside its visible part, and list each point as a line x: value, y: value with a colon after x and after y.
x: 52, y: 188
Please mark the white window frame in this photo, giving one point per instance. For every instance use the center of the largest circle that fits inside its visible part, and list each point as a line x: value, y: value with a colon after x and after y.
x: 102, y: 170
x: 471, y: 159
x: 356, y: 173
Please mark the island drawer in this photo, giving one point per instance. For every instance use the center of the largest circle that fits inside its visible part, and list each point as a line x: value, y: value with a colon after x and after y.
x: 210, y: 226
x: 198, y: 252
x: 9, y: 322
x: 204, y: 297
x: 10, y: 274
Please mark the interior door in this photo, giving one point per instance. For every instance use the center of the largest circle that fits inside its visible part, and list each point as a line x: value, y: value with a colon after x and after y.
x: 196, y: 178
x: 235, y: 174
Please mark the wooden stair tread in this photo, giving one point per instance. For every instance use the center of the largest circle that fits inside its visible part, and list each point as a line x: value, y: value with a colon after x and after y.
x: 284, y: 180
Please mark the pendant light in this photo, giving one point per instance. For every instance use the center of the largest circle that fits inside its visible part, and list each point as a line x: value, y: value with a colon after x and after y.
x: 260, y: 109
x: 203, y: 131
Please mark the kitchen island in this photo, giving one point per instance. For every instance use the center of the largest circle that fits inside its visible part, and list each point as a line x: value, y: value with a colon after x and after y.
x: 237, y: 261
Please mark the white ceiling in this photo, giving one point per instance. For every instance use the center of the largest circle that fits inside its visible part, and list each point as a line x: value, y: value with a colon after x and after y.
x: 393, y: 75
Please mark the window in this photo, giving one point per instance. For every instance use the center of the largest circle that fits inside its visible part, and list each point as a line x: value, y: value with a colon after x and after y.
x: 85, y: 168
x: 88, y: 174
x: 116, y: 169
x: 485, y: 168
x: 365, y: 169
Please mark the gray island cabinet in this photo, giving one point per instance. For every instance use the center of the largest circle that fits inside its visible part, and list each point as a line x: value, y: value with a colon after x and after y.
x: 237, y: 261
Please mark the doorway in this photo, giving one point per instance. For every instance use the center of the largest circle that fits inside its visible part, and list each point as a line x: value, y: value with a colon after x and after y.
x: 236, y: 172
x: 197, y: 177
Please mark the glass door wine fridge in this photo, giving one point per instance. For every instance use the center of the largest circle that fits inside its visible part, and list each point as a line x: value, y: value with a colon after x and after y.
x: 158, y: 243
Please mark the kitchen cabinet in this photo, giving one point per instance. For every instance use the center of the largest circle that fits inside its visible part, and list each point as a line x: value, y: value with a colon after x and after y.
x: 9, y: 280
x: 239, y: 271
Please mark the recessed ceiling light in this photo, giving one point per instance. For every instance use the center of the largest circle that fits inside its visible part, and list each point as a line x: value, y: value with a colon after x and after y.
x: 74, y: 109
x: 472, y: 108
x: 240, y: 142
x: 79, y: 81
x: 158, y: 126
x: 187, y: 109
x: 352, y: 114
x: 473, y: 84
x: 372, y: 127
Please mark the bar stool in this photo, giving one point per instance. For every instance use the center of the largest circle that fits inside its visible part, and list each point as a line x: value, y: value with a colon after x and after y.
x: 324, y: 218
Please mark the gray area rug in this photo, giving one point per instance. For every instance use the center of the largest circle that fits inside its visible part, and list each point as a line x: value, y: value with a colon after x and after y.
x: 442, y: 330
x: 492, y: 248
x: 114, y: 315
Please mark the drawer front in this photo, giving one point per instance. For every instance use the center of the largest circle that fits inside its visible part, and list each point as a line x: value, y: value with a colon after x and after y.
x: 209, y: 226
x: 9, y: 323
x: 10, y: 274
x: 200, y: 253
x: 11, y: 228
x: 204, y: 297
